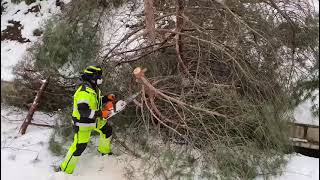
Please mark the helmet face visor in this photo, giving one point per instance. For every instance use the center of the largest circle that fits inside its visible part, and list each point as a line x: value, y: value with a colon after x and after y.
x: 98, y: 76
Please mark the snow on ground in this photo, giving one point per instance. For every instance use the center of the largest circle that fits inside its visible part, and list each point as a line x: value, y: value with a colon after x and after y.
x: 301, y: 168
x: 315, y: 3
x: 12, y: 51
x: 31, y: 20
x: 21, y: 152
x: 29, y: 154
x: 303, y: 114
x: 117, y: 26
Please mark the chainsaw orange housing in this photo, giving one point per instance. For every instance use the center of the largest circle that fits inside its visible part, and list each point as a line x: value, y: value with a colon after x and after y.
x: 111, y: 97
x: 106, y: 109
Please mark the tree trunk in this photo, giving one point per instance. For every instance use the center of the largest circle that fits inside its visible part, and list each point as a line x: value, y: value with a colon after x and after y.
x: 33, y: 107
x: 150, y: 24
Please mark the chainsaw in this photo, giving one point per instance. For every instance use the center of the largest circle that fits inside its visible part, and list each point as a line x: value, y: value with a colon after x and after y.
x: 110, y: 109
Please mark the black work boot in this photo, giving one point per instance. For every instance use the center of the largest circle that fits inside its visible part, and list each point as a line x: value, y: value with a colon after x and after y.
x: 102, y: 154
x: 110, y: 153
x: 57, y: 168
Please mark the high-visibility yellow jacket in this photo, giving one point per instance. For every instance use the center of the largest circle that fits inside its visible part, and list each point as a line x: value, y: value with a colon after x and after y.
x: 87, y: 104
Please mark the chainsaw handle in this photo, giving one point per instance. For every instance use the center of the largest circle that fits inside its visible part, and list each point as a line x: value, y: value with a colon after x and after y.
x: 114, y: 106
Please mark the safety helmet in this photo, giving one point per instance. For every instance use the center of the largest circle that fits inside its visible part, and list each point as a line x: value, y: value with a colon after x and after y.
x: 92, y: 73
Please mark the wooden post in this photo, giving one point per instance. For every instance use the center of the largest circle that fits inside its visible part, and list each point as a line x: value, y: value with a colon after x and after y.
x: 33, y: 107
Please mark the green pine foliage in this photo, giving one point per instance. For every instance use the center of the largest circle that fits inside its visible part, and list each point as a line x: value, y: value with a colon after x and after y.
x: 67, y: 45
x: 65, y: 42
x: 307, y: 87
x: 16, y: 1
x: 28, y: 2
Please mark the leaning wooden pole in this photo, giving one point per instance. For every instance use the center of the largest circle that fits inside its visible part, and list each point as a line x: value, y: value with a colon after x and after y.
x: 33, y: 107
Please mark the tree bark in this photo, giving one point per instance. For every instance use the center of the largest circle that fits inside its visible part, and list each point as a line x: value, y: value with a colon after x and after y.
x: 33, y: 107
x: 42, y: 125
x: 150, y: 24
x: 178, y: 37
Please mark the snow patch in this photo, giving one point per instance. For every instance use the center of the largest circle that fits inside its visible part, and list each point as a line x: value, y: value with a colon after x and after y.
x: 301, y: 167
x: 29, y: 153
x: 117, y: 25
x: 11, y: 51
x: 302, y: 113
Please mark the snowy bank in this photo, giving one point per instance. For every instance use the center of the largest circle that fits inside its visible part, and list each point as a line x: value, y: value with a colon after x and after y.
x: 12, y: 51
x: 29, y: 153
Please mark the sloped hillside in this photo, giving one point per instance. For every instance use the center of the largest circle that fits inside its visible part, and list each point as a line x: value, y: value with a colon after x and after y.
x: 20, y: 27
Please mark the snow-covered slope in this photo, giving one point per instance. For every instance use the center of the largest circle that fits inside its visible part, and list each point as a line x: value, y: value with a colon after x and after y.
x: 12, y: 51
x: 301, y: 167
x: 29, y: 154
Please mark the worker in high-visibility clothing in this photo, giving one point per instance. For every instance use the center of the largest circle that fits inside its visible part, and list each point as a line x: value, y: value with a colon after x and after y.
x: 87, y: 116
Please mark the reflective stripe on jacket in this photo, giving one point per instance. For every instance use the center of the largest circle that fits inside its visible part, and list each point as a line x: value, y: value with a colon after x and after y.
x: 86, y: 104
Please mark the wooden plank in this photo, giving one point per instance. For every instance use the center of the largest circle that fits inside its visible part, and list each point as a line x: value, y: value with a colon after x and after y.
x: 297, y: 132
x: 313, y: 134
x: 306, y: 145
x: 304, y: 135
x: 304, y: 125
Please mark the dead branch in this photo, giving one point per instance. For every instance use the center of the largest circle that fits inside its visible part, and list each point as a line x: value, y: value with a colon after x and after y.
x: 42, y: 125
x: 33, y: 108
x: 143, y: 55
x: 139, y: 74
x: 219, y: 47
x: 178, y: 37
x: 121, y: 41
x: 283, y: 14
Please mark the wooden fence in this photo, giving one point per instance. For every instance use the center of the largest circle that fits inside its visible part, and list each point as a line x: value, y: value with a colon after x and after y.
x: 305, y: 135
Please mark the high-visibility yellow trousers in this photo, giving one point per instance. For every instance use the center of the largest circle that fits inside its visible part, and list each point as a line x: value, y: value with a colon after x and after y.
x: 81, y: 138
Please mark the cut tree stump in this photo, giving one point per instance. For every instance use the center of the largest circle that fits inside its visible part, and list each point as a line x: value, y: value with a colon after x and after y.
x: 33, y: 107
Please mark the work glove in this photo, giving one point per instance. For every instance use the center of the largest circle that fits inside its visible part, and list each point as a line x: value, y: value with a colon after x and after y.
x: 98, y: 114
